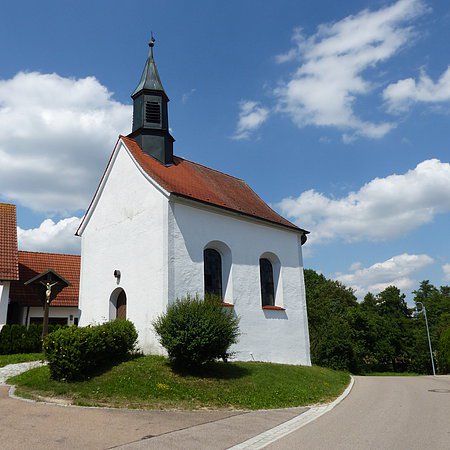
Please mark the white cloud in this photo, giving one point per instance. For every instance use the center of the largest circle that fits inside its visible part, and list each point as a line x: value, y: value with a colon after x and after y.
x: 382, y: 209
x: 401, y: 95
x: 251, y: 116
x: 51, y: 237
x: 355, y: 266
x: 185, y: 97
x: 395, y: 271
x: 324, y: 140
x: 333, y: 62
x: 56, y: 134
x: 446, y: 270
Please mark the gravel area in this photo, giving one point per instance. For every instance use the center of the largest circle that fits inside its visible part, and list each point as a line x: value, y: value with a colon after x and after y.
x: 16, y: 369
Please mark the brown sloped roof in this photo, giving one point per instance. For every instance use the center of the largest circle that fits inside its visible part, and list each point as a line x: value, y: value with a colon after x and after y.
x: 8, y: 243
x: 194, y: 181
x: 34, y: 263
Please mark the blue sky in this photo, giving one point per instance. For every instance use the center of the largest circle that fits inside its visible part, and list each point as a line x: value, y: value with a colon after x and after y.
x: 336, y: 113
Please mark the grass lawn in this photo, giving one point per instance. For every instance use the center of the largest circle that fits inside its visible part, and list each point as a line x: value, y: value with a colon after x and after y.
x: 149, y: 382
x: 19, y: 358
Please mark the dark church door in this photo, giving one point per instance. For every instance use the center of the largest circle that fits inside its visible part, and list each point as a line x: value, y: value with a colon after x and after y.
x: 121, y: 311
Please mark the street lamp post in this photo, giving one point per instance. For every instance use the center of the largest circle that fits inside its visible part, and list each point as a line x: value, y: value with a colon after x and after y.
x: 428, y: 334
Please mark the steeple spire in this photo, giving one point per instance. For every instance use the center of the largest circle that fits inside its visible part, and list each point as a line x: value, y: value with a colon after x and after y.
x: 150, y: 113
x: 150, y: 77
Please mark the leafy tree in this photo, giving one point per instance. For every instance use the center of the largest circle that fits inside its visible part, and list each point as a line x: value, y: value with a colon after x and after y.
x: 437, y: 304
x: 373, y: 335
x: 397, y: 331
x: 328, y: 303
x: 391, y: 303
x: 369, y: 303
x: 444, y: 351
x: 381, y: 333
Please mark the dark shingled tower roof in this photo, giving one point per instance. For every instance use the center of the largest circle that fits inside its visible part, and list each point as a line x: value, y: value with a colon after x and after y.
x: 150, y: 77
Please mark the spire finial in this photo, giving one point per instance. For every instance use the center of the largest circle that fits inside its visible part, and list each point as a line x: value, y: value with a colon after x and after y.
x: 151, y: 44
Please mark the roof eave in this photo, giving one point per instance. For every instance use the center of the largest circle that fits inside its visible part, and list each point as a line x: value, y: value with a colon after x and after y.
x: 8, y: 278
x: 293, y: 228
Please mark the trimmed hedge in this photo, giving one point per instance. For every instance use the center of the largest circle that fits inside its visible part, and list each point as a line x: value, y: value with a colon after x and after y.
x: 444, y: 351
x: 75, y: 353
x: 20, y: 339
x: 195, y: 331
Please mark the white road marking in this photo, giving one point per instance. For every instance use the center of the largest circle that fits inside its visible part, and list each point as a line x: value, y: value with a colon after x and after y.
x: 267, y: 437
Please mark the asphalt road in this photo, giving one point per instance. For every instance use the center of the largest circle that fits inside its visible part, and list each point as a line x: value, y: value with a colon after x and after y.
x: 404, y: 413
x: 387, y: 413
x: 29, y: 425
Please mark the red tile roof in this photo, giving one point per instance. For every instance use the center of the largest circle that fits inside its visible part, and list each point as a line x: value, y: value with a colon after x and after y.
x: 34, y: 263
x: 191, y: 180
x: 8, y: 243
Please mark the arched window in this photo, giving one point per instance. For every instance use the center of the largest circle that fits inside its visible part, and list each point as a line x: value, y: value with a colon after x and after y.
x: 213, y: 272
x: 267, y: 285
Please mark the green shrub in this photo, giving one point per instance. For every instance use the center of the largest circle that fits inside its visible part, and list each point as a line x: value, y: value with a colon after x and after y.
x: 77, y: 352
x: 5, y: 340
x: 444, y: 351
x: 195, y: 331
x: 35, y: 336
x: 22, y: 339
x: 19, y: 339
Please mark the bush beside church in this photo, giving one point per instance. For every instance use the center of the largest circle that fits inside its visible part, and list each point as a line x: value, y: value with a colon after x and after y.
x: 76, y: 353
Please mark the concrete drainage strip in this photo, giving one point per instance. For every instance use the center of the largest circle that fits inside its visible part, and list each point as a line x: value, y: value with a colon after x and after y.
x: 314, y: 412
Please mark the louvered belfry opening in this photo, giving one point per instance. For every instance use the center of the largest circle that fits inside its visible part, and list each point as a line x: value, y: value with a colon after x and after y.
x: 153, y: 112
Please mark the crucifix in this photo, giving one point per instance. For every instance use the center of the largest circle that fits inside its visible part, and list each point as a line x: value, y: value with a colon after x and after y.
x: 48, y: 292
x: 48, y: 280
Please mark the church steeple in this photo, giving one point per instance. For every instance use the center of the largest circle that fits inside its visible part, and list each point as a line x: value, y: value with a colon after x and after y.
x: 150, y: 76
x: 150, y: 113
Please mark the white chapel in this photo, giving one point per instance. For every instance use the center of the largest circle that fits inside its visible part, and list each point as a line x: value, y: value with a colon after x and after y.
x: 160, y: 227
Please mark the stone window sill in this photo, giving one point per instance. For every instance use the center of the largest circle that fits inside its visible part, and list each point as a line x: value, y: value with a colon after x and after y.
x: 274, y: 308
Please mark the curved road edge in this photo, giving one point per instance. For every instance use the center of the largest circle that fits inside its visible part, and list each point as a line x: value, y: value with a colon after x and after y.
x: 278, y: 432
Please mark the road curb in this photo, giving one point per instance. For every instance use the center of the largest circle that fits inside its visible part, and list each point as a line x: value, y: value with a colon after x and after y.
x: 268, y: 437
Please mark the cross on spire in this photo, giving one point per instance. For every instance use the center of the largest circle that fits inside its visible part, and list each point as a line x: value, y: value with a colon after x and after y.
x: 151, y: 44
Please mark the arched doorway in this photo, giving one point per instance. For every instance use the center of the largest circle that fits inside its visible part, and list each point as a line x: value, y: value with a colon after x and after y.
x: 121, y: 307
x: 118, y: 304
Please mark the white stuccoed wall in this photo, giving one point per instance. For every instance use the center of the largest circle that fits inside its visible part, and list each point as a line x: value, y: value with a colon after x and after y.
x: 158, y: 247
x: 127, y: 231
x: 54, y: 311
x: 4, y: 300
x: 277, y: 336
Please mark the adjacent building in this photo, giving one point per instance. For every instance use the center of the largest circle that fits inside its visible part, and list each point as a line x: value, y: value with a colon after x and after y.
x: 22, y: 303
